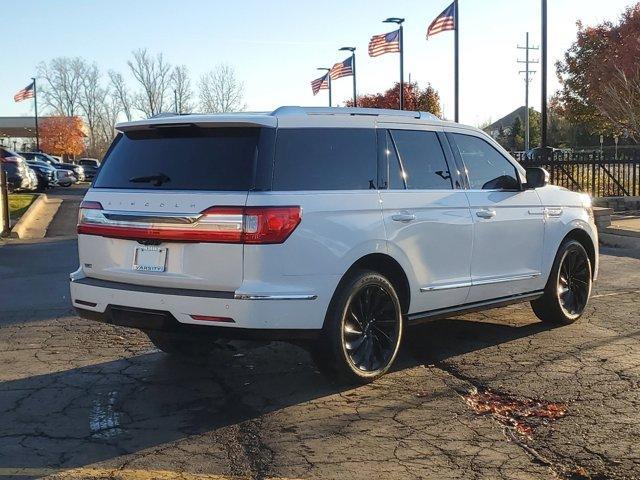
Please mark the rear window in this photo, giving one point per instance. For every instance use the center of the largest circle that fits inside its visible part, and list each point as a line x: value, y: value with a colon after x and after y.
x: 325, y: 159
x: 182, y: 158
x: 89, y: 163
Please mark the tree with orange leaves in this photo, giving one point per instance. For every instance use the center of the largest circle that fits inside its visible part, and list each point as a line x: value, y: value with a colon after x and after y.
x: 600, y: 76
x: 62, y: 136
x: 415, y: 98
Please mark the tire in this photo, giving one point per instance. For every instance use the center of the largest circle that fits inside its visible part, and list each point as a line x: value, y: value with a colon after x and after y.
x: 180, y: 345
x: 362, y: 329
x: 567, y: 291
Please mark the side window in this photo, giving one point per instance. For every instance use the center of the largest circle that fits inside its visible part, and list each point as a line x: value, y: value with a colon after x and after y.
x: 486, y: 167
x: 325, y: 159
x: 423, y: 163
x: 391, y: 163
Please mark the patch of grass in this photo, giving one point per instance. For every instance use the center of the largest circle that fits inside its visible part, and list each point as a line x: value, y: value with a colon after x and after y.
x: 19, y: 203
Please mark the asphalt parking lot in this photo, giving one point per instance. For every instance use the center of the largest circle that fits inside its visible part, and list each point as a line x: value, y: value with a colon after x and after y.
x: 488, y: 395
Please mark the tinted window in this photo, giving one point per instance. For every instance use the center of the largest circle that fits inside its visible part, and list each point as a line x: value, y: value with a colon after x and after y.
x: 422, y: 159
x: 486, y: 167
x: 325, y: 159
x: 391, y: 163
x: 182, y: 158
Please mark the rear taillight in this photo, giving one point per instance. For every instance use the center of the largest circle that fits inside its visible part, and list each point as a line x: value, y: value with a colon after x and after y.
x: 250, y: 225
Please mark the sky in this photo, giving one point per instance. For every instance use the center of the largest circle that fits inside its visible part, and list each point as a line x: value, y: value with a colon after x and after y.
x: 275, y: 46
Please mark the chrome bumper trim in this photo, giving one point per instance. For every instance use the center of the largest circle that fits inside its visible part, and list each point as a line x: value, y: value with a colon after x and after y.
x: 249, y: 296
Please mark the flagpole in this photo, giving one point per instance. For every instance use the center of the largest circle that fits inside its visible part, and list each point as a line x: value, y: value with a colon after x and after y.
x: 457, y: 61
x: 399, y: 21
x: 35, y: 104
x: 353, y: 66
x: 401, y: 69
x: 353, y: 71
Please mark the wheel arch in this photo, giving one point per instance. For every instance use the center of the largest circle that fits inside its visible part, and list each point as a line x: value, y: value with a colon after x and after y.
x: 582, y: 237
x: 390, y: 268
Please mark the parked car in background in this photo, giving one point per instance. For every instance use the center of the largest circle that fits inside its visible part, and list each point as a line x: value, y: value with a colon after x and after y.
x: 41, y: 156
x: 18, y: 177
x: 540, y: 153
x: 336, y: 227
x: 74, y: 173
x: 65, y: 178
x: 46, y: 174
x: 91, y: 166
x: 33, y: 184
x: 78, y: 171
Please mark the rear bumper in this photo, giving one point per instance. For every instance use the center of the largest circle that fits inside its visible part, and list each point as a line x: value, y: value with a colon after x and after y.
x: 156, y: 320
x: 157, y: 308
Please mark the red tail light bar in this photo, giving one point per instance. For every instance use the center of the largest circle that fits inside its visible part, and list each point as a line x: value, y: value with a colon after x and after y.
x: 248, y: 225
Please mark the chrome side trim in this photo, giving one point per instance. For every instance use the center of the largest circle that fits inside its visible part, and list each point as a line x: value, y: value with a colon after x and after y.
x: 485, y: 281
x: 513, y: 278
x: 448, y: 286
x: 249, y: 296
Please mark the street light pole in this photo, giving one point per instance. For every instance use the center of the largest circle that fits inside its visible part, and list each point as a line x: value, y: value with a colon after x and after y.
x: 328, y: 81
x: 399, y: 22
x: 543, y: 107
x: 353, y: 69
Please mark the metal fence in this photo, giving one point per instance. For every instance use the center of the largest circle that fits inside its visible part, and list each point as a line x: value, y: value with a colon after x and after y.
x: 592, y: 172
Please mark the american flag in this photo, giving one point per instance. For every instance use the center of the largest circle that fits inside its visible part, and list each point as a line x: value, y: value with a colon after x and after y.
x: 26, y: 92
x: 385, y: 43
x: 342, y: 69
x: 445, y: 21
x: 321, y: 83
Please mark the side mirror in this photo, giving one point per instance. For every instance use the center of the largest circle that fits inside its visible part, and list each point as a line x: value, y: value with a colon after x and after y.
x: 536, y: 177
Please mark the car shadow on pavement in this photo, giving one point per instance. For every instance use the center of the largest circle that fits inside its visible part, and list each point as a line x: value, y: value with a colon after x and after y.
x: 439, y: 340
x: 100, y: 412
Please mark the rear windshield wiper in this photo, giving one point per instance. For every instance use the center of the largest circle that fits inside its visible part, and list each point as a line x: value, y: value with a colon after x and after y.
x: 155, y: 180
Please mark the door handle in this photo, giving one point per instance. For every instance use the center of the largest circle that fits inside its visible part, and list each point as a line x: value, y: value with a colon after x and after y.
x: 405, y: 217
x: 486, y: 213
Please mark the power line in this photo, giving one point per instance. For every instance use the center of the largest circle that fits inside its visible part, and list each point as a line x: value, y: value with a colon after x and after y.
x: 527, y: 80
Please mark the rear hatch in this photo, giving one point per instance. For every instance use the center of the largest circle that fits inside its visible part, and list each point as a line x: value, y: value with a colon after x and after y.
x: 166, y: 206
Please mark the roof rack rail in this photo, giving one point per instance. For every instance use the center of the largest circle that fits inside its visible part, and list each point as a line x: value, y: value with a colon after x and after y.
x: 296, y: 110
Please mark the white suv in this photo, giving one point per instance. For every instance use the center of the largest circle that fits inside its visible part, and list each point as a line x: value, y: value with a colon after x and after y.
x: 334, y: 226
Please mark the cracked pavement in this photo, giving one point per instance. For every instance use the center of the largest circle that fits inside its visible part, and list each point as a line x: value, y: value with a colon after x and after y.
x: 84, y: 400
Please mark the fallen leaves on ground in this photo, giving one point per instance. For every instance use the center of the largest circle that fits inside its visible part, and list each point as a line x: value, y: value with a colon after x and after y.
x: 517, y: 413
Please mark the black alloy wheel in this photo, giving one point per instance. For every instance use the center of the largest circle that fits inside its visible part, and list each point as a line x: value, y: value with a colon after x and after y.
x: 370, y: 329
x: 574, y: 282
x: 568, y: 288
x: 362, y: 330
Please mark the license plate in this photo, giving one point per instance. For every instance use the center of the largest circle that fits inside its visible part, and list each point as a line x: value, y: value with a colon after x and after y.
x: 149, y: 258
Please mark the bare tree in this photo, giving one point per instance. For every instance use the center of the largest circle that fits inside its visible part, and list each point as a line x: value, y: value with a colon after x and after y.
x: 106, y: 125
x: 181, y: 86
x: 91, y: 100
x: 221, y: 91
x: 121, y: 93
x: 620, y: 102
x: 153, y: 74
x: 62, y: 87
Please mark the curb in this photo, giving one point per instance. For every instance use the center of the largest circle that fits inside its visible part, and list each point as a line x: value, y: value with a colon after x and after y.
x: 619, y: 238
x: 35, y: 221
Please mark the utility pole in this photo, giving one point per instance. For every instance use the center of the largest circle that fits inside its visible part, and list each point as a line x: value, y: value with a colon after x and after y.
x: 543, y: 45
x: 527, y: 79
x: 175, y: 102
